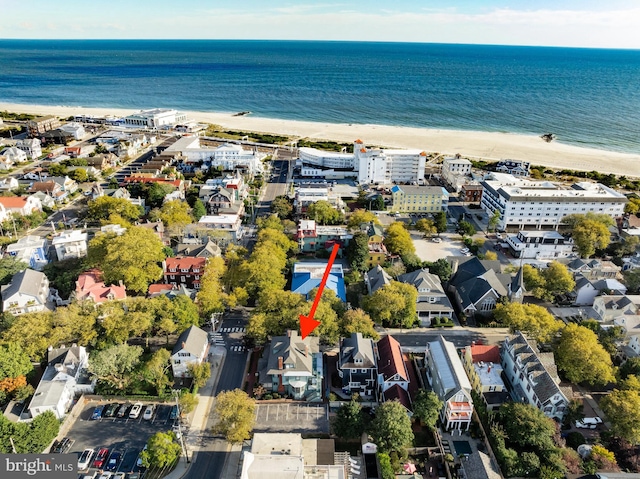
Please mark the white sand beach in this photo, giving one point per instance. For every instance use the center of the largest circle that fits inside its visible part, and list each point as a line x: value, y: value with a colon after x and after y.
x: 473, y: 144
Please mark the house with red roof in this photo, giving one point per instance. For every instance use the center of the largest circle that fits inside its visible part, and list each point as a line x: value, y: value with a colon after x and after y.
x: 393, y: 377
x: 22, y: 205
x: 90, y: 286
x: 482, y: 365
x: 184, y: 271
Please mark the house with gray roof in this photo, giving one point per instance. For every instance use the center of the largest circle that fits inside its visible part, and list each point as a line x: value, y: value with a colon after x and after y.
x: 449, y: 381
x: 292, y: 366
x: 64, y: 378
x: 534, y: 376
x: 28, y: 292
x: 586, y: 289
x: 376, y: 278
x: 191, y: 347
x: 208, y: 249
x: 357, y: 365
x: 432, y: 301
x: 477, y: 285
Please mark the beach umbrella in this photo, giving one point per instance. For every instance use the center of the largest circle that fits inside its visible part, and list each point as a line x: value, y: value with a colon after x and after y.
x: 409, y: 467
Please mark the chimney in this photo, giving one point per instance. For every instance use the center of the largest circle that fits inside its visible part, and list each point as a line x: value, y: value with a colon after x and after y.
x: 280, y: 362
x: 454, y: 267
x: 489, y: 367
x: 288, y: 333
x: 306, y: 350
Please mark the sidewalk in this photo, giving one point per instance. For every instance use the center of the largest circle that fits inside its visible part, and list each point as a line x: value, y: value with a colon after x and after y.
x: 198, y: 418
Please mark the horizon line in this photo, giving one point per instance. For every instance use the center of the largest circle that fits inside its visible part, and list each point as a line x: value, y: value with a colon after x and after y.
x: 316, y: 41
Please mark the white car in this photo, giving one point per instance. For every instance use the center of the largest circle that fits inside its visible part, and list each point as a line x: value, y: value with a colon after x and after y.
x: 85, y: 459
x: 106, y: 475
x: 464, y: 250
x: 436, y: 240
x: 135, y: 410
x: 119, y: 475
x: 498, y: 235
x: 148, y: 412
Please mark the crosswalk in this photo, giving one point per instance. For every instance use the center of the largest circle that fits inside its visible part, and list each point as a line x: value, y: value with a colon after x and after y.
x: 238, y: 349
x: 233, y: 330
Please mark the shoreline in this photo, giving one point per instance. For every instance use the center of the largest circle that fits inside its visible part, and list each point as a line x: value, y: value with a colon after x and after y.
x: 473, y: 144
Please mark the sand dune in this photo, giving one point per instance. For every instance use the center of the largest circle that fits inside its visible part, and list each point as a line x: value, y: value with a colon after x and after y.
x: 475, y: 144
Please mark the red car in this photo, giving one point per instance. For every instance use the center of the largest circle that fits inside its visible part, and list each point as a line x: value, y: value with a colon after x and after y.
x: 101, y: 457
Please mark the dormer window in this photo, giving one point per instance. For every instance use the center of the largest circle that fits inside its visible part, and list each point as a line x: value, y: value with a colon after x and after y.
x: 358, y: 361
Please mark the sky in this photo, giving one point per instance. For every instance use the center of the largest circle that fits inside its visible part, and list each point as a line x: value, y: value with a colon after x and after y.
x: 575, y: 23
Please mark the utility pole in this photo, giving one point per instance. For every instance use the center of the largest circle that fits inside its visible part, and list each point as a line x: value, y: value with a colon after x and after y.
x: 184, y: 448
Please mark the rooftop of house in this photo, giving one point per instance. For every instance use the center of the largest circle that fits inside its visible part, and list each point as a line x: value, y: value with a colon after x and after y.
x: 192, y: 340
x: 28, y: 282
x: 449, y: 366
x: 489, y: 373
x: 186, y: 262
x: 390, y: 360
x: 377, y: 277
x: 296, y: 354
x: 357, y: 352
x: 91, y: 286
x: 13, y: 201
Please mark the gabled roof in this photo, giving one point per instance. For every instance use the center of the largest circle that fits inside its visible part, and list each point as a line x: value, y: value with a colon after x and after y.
x: 91, y: 286
x: 207, y: 250
x: 396, y: 393
x: 296, y: 354
x: 372, y: 229
x: 13, y: 201
x: 186, y: 262
x: 377, y: 278
x: 357, y: 348
x: 452, y: 376
x: 422, y: 280
x: 191, y: 340
x: 27, y: 282
x: 474, y: 279
x: 390, y: 360
x: 66, y: 356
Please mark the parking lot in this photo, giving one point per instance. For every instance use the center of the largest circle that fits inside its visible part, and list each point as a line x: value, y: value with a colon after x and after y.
x: 291, y: 417
x: 427, y: 250
x: 125, y: 435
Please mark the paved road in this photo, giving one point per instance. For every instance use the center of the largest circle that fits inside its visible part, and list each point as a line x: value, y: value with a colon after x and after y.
x: 416, y: 341
x: 277, y: 186
x: 209, y: 461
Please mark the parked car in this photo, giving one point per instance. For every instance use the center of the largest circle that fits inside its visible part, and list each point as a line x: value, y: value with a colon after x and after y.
x: 114, y: 461
x: 148, y: 412
x: 85, y: 459
x: 498, y: 235
x: 174, y: 412
x: 135, y: 410
x: 101, y: 457
x: 97, y: 412
x: 139, y: 460
x: 110, y: 410
x: 62, y: 446
x: 119, y: 475
x: 123, y: 411
x: 436, y: 240
x: 105, y: 475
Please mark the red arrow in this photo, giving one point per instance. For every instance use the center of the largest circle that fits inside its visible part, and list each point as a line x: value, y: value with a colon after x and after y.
x: 307, y: 323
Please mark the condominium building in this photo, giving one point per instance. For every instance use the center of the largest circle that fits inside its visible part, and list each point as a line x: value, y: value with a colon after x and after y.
x: 155, y: 118
x: 39, y: 125
x: 455, y: 171
x: 542, y: 204
x: 539, y: 245
x: 421, y: 199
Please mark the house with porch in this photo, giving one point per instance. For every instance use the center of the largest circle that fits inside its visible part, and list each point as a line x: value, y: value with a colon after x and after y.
x: 191, y: 347
x: 312, y: 237
x: 432, y: 301
x: 32, y: 250
x: 185, y: 271
x: 70, y: 244
x: 448, y: 379
x: 31, y: 146
x: 393, y: 377
x: 292, y: 366
x: 377, y: 250
x: 21, y: 205
x: 28, y: 292
x: 357, y: 366
x: 90, y: 286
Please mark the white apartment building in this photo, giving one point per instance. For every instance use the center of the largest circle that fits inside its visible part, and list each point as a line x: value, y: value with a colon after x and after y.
x: 369, y: 165
x: 155, y: 118
x: 70, y: 244
x: 76, y: 129
x: 227, y: 226
x: 455, y: 171
x: 229, y: 156
x: 539, y: 245
x: 542, y: 204
x: 31, y: 146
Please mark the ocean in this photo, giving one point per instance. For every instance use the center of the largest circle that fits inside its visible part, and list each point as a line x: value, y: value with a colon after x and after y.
x: 587, y: 97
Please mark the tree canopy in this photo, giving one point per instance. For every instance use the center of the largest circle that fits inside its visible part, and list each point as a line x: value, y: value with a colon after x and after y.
x: 349, y: 422
x: 427, y: 407
x: 549, y: 282
x: 357, y: 321
x: 398, y: 240
x: 440, y: 221
x: 360, y: 216
x: 391, y: 428
x: 175, y: 215
x: 103, y: 207
x: 358, y: 251
x: 162, y: 450
x: 393, y: 305
x: 426, y: 226
x: 589, y: 232
x: 281, y: 206
x: 530, y: 318
x: 234, y: 415
x: 324, y: 213
x: 582, y: 358
x: 114, y: 365
x: 14, y: 361
x: 622, y: 408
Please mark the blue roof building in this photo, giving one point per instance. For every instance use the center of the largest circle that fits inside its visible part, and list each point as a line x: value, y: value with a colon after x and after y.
x: 308, y: 275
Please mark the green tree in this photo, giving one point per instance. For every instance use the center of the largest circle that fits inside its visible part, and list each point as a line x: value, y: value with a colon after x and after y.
x: 156, y: 369
x: 175, y: 215
x: 210, y: 297
x: 114, y: 365
x: 633, y: 206
x: 360, y: 216
x: 80, y: 175
x: 441, y: 268
x: 398, y: 240
x: 548, y: 283
x: 386, y: 469
x: 582, y: 358
x: 187, y: 401
x: 122, y: 321
x: 391, y: 428
x: 200, y: 372
x: 277, y: 311
x: 440, y: 220
x: 155, y: 192
x: 493, y: 221
x: 162, y: 450
x: 103, y: 207
x: 465, y: 229
x: 427, y: 407
x: 358, y: 251
x: 133, y: 258
x: 198, y: 210
x: 632, y: 279
x: 427, y: 227
x: 235, y: 415
x: 622, y: 408
x: 14, y: 361
x: 357, y: 321
x: 185, y: 313
x: 589, y: 232
x: 324, y: 213
x: 631, y: 367
x: 527, y: 426
x: 9, y: 266
x: 349, y: 422
x: 281, y: 206
x: 393, y: 305
x: 529, y: 318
